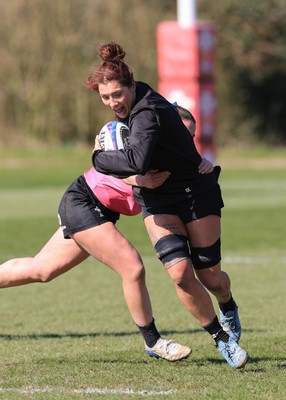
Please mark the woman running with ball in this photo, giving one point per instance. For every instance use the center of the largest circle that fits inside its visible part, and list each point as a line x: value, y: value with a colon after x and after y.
x: 182, y: 216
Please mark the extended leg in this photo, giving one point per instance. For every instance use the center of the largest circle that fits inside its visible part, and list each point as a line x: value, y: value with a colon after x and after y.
x: 109, y: 246
x: 57, y: 257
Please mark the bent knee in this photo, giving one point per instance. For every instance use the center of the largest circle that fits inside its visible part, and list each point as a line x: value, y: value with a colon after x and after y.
x: 44, y: 276
x: 46, y: 273
x: 136, y: 272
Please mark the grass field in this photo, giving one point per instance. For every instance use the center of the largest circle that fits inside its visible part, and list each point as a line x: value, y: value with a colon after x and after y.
x: 73, y: 338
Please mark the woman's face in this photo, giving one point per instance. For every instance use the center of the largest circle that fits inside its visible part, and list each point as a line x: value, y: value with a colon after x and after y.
x: 117, y: 97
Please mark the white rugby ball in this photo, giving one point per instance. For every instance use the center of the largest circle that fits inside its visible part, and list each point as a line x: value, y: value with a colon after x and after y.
x: 114, y: 136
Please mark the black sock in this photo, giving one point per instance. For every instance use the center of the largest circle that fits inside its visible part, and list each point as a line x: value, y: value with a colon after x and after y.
x: 216, y: 331
x: 229, y: 306
x: 150, y: 333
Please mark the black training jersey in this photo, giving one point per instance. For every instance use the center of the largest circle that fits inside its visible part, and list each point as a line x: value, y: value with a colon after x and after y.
x: 158, y: 140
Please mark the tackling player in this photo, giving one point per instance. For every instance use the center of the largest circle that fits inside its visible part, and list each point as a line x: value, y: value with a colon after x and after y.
x: 88, y: 212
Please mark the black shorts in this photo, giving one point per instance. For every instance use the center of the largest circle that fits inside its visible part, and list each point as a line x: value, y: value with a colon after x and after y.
x: 79, y: 209
x: 200, y: 206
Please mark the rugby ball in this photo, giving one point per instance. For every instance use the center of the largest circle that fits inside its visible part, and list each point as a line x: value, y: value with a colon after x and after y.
x: 114, y: 136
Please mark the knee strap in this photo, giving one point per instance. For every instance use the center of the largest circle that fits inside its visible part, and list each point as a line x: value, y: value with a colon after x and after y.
x: 206, y: 257
x: 172, y: 247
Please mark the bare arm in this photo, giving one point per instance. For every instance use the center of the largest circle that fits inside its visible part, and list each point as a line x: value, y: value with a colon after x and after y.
x: 151, y: 180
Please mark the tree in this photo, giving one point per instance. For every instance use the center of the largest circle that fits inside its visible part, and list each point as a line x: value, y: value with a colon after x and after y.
x: 251, y: 67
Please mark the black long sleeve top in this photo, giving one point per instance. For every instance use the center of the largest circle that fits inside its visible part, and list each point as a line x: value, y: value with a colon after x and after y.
x: 158, y: 140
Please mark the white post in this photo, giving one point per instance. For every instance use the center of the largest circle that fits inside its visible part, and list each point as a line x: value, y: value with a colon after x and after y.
x: 186, y: 12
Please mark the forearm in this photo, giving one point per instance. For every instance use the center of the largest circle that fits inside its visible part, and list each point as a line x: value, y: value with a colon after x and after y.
x: 133, y: 180
x: 151, y: 180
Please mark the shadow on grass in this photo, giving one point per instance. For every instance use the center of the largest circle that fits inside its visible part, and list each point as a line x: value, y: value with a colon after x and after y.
x: 170, y: 332
x: 92, y: 334
x: 252, y: 365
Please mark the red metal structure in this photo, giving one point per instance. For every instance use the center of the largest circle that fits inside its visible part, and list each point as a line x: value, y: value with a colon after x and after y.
x: 186, y: 69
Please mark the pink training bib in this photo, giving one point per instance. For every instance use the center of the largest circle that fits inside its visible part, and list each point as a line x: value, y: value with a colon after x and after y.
x: 113, y: 193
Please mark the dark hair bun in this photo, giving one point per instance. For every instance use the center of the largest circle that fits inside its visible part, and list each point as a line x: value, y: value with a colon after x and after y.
x: 111, y: 52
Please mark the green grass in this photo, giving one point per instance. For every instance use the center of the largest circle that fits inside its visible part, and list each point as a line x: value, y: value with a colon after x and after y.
x: 75, y: 334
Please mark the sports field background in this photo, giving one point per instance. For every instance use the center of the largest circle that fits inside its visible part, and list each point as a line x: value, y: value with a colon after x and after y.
x: 73, y: 338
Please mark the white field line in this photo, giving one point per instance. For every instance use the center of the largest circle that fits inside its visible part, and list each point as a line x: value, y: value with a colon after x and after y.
x: 87, y: 391
x: 253, y: 260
